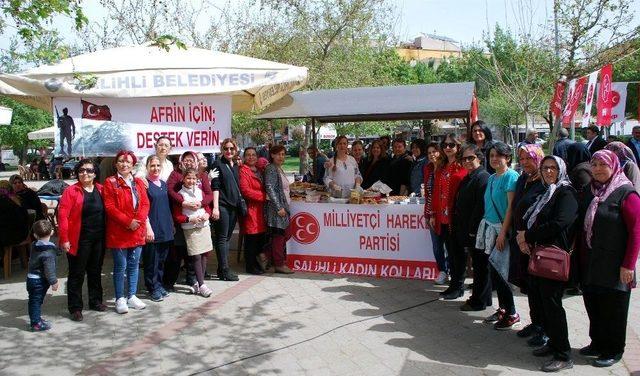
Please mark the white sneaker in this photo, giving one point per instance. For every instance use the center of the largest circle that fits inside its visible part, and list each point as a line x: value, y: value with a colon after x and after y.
x: 121, y: 305
x: 195, y: 289
x: 205, y: 291
x: 442, y: 278
x: 136, y: 303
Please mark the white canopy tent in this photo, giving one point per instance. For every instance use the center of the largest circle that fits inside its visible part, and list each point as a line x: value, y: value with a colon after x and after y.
x: 42, y: 134
x: 148, y: 71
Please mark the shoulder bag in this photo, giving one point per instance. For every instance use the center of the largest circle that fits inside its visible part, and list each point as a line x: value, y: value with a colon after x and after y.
x: 242, y: 204
x: 551, y: 262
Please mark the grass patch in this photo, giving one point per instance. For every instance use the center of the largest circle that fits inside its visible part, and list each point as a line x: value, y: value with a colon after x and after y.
x: 291, y: 164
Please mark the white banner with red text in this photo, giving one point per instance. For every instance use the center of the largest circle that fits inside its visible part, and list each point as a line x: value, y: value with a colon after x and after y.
x: 103, y: 126
x: 388, y: 241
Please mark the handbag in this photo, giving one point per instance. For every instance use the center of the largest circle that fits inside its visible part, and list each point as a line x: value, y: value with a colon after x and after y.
x: 242, y: 204
x: 551, y: 262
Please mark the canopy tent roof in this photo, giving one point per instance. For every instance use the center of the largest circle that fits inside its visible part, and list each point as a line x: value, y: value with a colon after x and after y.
x: 42, y: 134
x: 410, y: 102
x: 147, y: 71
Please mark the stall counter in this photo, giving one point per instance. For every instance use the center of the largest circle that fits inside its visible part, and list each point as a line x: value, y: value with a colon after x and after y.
x: 386, y: 241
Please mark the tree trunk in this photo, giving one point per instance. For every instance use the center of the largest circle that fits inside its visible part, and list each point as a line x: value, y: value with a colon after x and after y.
x: 427, y: 129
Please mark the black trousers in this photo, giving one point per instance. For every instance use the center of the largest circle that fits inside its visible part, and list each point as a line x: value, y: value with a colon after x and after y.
x: 224, y: 229
x: 607, y: 310
x: 481, y: 292
x: 548, y: 294
x: 253, y: 245
x: 536, y: 310
x: 87, y: 261
x: 505, y: 295
x: 177, y: 255
x: 457, y: 258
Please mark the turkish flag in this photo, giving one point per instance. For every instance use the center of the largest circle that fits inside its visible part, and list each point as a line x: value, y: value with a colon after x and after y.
x: 605, y: 96
x: 95, y: 112
x: 474, y: 109
x: 556, y: 103
x: 576, y: 89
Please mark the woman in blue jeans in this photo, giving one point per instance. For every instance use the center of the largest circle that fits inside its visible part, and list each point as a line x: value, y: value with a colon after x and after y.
x: 127, y: 208
x: 433, y: 153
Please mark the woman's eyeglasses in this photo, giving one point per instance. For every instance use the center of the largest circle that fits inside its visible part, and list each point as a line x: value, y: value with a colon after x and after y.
x: 470, y: 158
x: 449, y: 145
x: 229, y: 149
x: 549, y: 168
x: 86, y: 171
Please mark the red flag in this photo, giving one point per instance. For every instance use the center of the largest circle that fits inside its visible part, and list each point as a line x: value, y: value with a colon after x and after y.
x: 556, y: 103
x: 474, y: 109
x: 573, y: 100
x: 95, y: 112
x: 605, y: 97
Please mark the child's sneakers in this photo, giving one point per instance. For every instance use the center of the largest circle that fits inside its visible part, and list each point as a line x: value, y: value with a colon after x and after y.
x: 205, y: 291
x: 41, y: 326
x: 121, y: 305
x: 136, y: 303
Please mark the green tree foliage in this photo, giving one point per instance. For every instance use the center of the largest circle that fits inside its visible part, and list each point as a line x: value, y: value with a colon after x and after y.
x: 30, y: 17
x: 25, y: 119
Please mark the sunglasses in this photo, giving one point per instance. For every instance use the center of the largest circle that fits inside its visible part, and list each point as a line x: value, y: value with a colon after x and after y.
x: 470, y: 158
x: 229, y: 149
x: 86, y: 170
x: 549, y: 168
x: 449, y: 145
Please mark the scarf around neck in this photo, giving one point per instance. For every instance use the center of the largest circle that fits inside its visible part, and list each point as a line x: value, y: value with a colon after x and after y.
x: 563, y: 180
x: 602, y: 190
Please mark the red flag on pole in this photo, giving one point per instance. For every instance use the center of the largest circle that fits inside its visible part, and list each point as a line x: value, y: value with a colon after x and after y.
x: 556, y: 103
x: 474, y: 109
x: 573, y: 100
x: 605, y: 102
x: 95, y: 112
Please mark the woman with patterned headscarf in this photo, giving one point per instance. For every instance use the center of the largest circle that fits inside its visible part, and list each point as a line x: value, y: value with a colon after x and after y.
x: 612, y: 236
x: 627, y: 162
x: 550, y: 221
x: 528, y: 187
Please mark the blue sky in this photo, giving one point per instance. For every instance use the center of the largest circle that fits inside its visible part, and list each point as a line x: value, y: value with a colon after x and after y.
x: 462, y: 20
x: 466, y: 20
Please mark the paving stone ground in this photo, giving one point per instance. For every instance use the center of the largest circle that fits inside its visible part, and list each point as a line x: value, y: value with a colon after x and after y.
x: 303, y: 324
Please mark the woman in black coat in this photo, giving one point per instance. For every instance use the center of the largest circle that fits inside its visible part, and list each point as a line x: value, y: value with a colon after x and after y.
x: 467, y: 214
x: 528, y: 187
x: 377, y: 166
x: 550, y: 221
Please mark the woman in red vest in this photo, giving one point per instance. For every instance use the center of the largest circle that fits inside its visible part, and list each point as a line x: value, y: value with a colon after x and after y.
x: 253, y: 224
x: 127, y: 207
x: 447, y: 177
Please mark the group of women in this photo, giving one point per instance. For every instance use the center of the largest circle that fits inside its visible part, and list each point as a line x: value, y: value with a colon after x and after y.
x: 169, y: 216
x: 477, y: 205
x: 502, y: 218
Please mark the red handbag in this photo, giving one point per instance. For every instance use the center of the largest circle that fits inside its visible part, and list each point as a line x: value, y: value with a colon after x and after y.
x: 550, y: 262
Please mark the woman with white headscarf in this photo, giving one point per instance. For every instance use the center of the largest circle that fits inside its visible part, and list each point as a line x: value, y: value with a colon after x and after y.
x: 612, y: 235
x: 549, y: 222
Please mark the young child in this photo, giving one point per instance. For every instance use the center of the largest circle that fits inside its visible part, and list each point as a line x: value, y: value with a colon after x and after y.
x: 42, y: 272
x: 195, y: 225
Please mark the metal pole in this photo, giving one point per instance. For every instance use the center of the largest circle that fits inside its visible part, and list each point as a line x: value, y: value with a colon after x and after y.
x: 315, y: 149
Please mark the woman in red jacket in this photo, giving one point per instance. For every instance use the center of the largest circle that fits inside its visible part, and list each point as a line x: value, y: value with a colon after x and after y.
x: 447, y: 177
x: 81, y: 236
x: 127, y: 207
x: 253, y: 225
